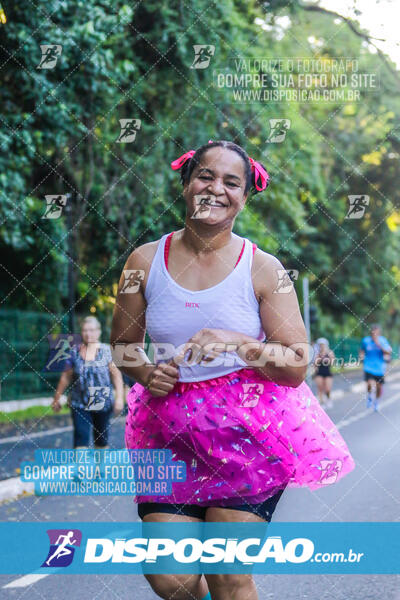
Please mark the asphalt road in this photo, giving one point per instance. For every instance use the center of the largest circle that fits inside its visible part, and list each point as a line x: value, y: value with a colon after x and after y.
x: 370, y: 493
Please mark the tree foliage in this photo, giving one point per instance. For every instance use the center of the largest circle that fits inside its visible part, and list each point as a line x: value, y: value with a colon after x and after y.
x: 59, y: 131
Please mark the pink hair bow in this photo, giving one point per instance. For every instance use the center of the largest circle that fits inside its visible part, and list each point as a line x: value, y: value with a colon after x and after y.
x: 260, y: 173
x: 176, y: 164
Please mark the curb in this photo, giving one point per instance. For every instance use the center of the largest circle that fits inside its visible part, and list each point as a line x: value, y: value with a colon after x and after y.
x: 13, y: 487
x: 15, y: 405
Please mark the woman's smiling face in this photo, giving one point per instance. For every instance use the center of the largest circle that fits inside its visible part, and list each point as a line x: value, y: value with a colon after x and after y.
x: 215, y: 192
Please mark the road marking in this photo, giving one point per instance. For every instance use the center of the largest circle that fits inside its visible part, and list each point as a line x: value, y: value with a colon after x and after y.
x: 366, y: 412
x: 395, y: 386
x: 393, y: 376
x: 38, y: 434
x: 26, y: 580
x: 358, y: 387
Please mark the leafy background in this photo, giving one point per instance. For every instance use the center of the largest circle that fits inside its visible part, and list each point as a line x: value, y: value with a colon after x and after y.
x: 58, y: 134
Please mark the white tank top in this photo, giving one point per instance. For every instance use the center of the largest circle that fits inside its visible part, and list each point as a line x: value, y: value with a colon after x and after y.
x: 174, y: 314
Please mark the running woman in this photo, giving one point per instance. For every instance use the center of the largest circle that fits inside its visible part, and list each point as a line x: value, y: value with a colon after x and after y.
x: 375, y: 351
x: 323, y: 376
x: 234, y: 407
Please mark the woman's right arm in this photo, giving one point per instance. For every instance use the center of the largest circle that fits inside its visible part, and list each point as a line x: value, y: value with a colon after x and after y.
x: 64, y: 382
x: 129, y: 327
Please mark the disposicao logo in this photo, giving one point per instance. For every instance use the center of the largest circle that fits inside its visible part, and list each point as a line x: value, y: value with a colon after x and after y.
x: 190, y: 550
x: 62, y: 547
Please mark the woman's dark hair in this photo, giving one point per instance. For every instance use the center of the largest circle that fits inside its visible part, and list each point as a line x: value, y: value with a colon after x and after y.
x: 187, y: 168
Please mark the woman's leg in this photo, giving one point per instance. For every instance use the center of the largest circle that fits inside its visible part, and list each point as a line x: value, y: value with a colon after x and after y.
x: 370, y: 383
x: 176, y: 587
x: 237, y: 587
x: 378, y: 394
x: 82, y: 422
x: 320, y: 388
x: 231, y: 587
x: 328, y: 388
x: 101, y: 428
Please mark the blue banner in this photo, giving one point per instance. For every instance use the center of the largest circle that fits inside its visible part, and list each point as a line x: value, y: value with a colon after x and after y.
x: 89, y: 472
x: 205, y: 547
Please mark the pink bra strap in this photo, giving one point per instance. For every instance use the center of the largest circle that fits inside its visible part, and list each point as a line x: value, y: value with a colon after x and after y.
x: 166, y: 248
x: 168, y: 244
x: 240, y: 255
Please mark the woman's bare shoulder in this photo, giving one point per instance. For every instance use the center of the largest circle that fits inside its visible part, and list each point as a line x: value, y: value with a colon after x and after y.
x: 266, y: 259
x: 142, y: 256
x: 265, y: 271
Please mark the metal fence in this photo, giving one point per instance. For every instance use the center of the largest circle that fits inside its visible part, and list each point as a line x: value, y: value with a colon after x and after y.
x: 24, y: 350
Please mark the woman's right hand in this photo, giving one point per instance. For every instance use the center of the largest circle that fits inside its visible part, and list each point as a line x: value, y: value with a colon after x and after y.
x: 161, y: 378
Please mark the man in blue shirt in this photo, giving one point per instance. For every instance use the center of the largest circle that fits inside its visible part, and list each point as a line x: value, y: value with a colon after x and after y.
x: 375, y: 351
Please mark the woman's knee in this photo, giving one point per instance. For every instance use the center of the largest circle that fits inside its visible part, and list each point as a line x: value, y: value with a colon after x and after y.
x: 232, y: 583
x: 178, y: 587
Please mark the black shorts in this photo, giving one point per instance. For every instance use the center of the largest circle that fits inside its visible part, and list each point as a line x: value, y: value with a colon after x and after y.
x: 323, y: 372
x: 378, y: 378
x: 264, y: 509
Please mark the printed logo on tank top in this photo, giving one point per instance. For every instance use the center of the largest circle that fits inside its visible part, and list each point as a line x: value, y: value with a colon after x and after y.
x: 192, y: 305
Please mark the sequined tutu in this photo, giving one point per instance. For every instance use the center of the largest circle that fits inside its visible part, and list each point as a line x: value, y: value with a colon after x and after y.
x: 241, y: 436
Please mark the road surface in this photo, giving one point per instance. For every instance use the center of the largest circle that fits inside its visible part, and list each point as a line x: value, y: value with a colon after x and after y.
x: 370, y: 493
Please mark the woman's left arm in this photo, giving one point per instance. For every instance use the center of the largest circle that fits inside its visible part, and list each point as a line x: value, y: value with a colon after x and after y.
x: 284, y: 355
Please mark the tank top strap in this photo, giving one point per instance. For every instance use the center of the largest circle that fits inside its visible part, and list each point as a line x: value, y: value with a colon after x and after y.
x: 156, y: 268
x: 167, y: 245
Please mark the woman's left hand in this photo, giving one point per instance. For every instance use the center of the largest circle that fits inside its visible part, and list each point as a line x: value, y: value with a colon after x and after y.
x: 118, y: 405
x: 205, y: 345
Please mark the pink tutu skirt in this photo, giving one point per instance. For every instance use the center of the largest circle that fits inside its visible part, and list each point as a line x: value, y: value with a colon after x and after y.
x: 241, y: 436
